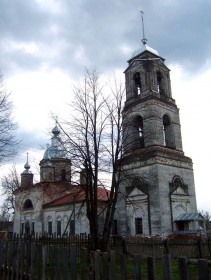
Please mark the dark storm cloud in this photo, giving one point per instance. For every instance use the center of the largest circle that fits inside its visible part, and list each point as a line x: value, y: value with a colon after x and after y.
x: 31, y: 140
x: 102, y: 33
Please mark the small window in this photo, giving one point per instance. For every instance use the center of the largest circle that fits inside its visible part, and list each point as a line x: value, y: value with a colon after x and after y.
x: 177, y: 182
x: 27, y: 227
x: 160, y: 86
x: 50, y: 228
x: 168, y: 136
x: 32, y: 230
x: 22, y: 228
x: 138, y: 133
x: 63, y: 174
x: 137, y: 82
x: 27, y: 204
x: 72, y: 227
x: 137, y: 183
x: 58, y: 228
x: 138, y: 226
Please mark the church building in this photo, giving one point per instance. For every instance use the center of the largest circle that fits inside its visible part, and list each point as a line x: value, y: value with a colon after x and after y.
x: 157, y: 192
x: 54, y: 206
x: 158, y: 189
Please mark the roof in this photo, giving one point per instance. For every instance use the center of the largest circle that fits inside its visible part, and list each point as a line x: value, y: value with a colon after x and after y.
x: 190, y: 217
x: 49, y: 188
x: 76, y: 194
x: 144, y: 48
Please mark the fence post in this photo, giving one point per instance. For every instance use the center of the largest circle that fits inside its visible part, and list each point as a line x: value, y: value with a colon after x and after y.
x: 22, y: 255
x: 32, y: 261
x: 73, y: 261
x: 200, y: 248
x: 64, y: 257
x: 123, y: 266
x: 1, y: 251
x: 151, y: 268
x: 137, y: 268
x: 124, y: 247
x: 203, y: 270
x: 9, y: 259
x: 183, y: 268
x: 97, y: 265
x: 105, y: 266
x: 166, y: 243
x: 17, y: 266
x: 57, y: 252
x: 113, y: 263
x: 83, y: 263
x: 167, y: 267
x: 44, y: 257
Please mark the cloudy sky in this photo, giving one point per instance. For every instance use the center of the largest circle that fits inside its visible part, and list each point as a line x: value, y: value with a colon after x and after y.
x: 45, y: 46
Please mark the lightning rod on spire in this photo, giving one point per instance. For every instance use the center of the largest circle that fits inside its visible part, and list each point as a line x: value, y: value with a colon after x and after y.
x: 144, y: 40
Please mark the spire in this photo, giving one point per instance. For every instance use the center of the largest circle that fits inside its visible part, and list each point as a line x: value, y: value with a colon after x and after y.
x: 26, y: 175
x: 56, y: 130
x: 144, y: 40
x: 144, y: 46
x: 27, y: 166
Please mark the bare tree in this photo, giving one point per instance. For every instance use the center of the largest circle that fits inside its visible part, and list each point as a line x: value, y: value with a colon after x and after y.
x: 94, y: 141
x: 8, y: 141
x: 207, y: 217
x: 10, y: 183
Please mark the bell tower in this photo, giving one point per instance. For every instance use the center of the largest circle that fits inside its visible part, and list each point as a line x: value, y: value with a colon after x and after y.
x: 159, y: 181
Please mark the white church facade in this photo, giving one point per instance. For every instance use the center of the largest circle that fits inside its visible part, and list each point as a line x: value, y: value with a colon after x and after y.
x: 54, y: 206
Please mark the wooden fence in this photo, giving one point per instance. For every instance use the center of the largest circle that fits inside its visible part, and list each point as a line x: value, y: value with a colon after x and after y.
x: 193, y: 248
x: 143, y: 246
x: 30, y: 259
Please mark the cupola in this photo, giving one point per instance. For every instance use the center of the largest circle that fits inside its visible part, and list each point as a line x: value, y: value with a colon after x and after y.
x: 26, y: 176
x: 55, y: 166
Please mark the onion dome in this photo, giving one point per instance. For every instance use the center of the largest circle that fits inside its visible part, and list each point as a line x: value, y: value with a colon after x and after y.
x: 55, y: 149
x: 27, y: 167
x: 56, y: 130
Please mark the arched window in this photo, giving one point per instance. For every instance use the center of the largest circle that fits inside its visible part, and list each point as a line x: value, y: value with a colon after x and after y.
x: 50, y: 225
x: 137, y: 82
x: 138, y: 133
x: 177, y: 185
x: 137, y: 183
x: 160, y: 86
x: 168, y: 136
x: 177, y: 182
x: 140, y: 184
x: 58, y: 226
x: 27, y: 204
x: 63, y: 174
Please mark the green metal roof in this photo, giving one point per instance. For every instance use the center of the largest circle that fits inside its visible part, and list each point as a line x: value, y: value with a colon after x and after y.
x: 190, y: 217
